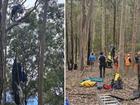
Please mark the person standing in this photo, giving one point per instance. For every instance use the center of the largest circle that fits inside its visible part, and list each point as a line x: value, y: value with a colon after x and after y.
x: 128, y: 62
x: 109, y: 60
x: 102, y: 64
x: 92, y: 59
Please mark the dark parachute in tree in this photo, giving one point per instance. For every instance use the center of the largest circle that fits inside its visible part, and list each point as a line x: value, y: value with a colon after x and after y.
x: 16, y: 11
x: 18, y: 76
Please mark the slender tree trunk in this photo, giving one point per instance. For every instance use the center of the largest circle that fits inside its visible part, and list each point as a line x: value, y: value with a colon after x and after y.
x: 82, y: 34
x: 41, y: 33
x: 76, y: 34
x: 1, y: 53
x: 105, y: 32
x: 93, y: 33
x: 103, y: 26
x: 78, y: 40
x: 66, y: 28
x: 139, y: 76
x: 118, y: 27
x: 114, y: 25
x: 121, y: 41
x: 72, y: 42
x: 89, y: 46
x: 134, y: 29
x: 89, y: 27
x: 76, y: 46
x: 3, y: 11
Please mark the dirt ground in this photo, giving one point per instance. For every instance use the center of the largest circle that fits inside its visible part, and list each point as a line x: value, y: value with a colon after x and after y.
x: 87, y: 96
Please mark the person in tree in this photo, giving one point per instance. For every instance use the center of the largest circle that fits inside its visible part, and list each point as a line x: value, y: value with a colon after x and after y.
x: 102, y: 64
x: 19, y: 78
x: 128, y: 62
x: 16, y: 11
x: 92, y: 59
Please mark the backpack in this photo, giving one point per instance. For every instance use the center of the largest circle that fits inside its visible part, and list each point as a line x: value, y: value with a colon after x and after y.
x: 118, y: 84
x: 102, y: 60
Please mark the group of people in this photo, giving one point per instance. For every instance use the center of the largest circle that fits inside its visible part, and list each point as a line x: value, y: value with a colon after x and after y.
x: 102, y: 62
x: 110, y: 61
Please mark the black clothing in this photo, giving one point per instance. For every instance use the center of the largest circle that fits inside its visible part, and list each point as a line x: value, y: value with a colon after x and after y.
x: 102, y: 60
x: 15, y: 82
x: 102, y: 64
x: 113, y: 52
x: 137, y: 59
x: 102, y: 71
x: 18, y: 75
x: 15, y: 10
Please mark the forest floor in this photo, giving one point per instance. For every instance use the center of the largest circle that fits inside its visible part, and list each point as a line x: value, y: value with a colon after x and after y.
x: 78, y: 95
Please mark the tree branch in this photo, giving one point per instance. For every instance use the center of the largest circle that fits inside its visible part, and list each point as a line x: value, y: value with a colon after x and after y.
x: 23, y: 2
x: 113, y: 4
x: 21, y: 20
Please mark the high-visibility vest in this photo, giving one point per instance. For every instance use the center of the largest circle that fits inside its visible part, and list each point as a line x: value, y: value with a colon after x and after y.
x: 127, y: 62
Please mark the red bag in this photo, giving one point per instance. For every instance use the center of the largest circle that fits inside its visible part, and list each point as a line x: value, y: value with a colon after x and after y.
x: 105, y: 86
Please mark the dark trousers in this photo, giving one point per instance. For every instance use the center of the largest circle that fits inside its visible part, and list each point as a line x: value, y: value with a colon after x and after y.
x: 102, y: 71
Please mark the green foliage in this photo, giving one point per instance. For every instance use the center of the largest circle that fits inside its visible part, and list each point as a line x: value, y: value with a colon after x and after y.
x: 22, y: 41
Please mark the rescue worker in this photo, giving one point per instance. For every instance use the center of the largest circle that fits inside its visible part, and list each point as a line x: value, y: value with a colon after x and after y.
x: 128, y: 62
x: 92, y: 59
x: 109, y: 60
x: 136, y: 59
x: 102, y: 64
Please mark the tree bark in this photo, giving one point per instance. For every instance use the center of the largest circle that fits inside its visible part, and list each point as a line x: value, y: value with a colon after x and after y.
x: 139, y: 76
x: 114, y: 25
x: 42, y: 28
x: 121, y: 40
x: 1, y: 53
x: 89, y: 46
x: 89, y: 28
x: 81, y: 60
x: 67, y: 34
x: 103, y: 26
x: 134, y: 29
x: 76, y: 46
x: 3, y: 11
x: 72, y: 42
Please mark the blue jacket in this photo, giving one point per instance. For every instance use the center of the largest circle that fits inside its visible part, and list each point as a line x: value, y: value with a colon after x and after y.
x: 92, y: 58
x: 66, y: 102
